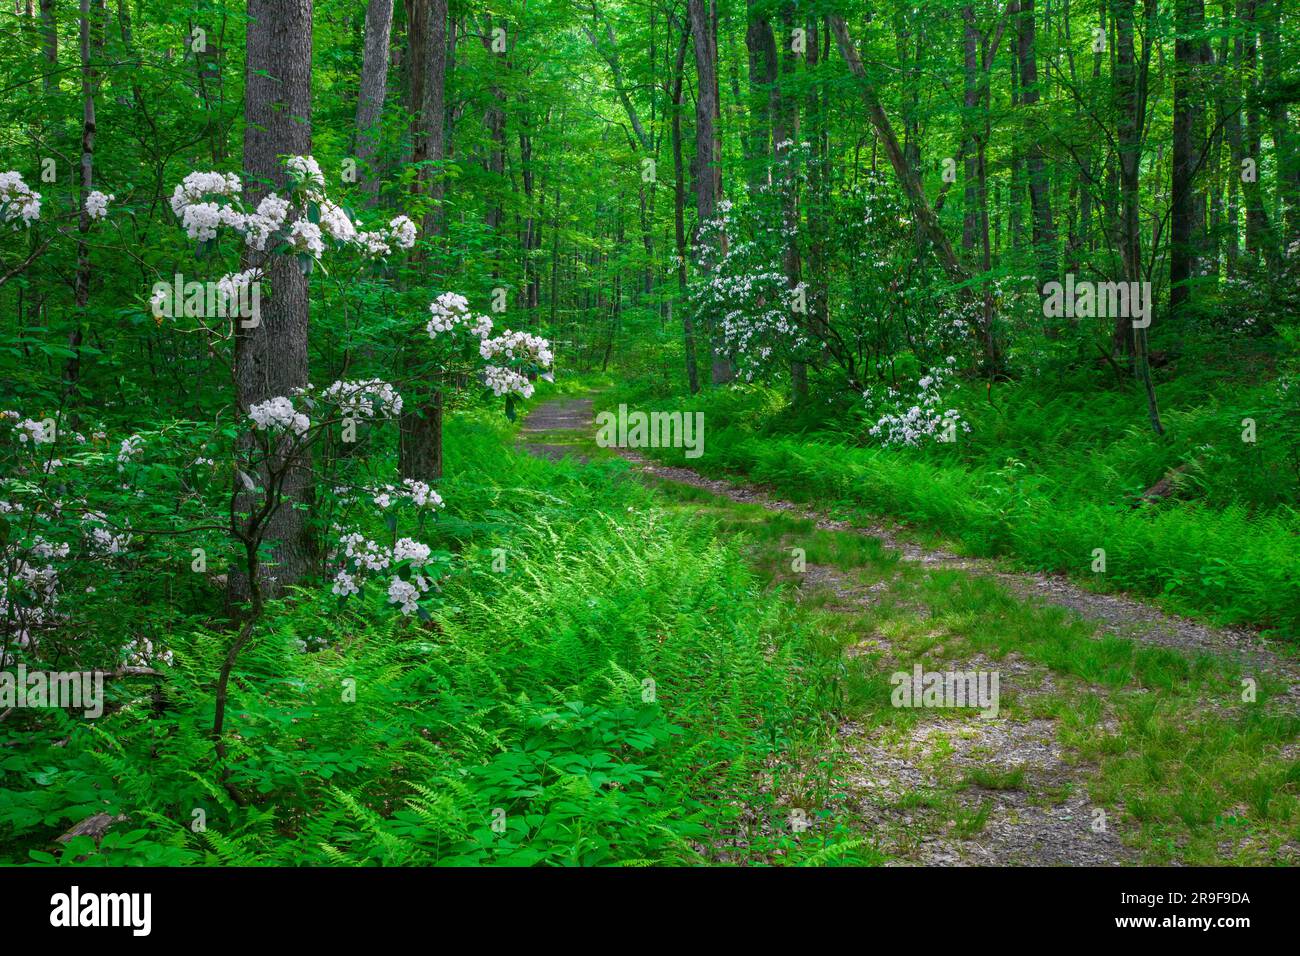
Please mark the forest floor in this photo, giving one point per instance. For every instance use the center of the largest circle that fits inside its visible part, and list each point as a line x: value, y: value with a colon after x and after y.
x: 1122, y: 733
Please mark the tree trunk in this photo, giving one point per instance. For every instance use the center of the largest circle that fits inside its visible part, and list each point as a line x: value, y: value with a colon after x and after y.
x: 374, y: 83
x: 1040, y: 196
x: 970, y: 107
x: 419, y: 449
x: 81, y: 284
x: 1129, y: 102
x: 785, y: 132
x: 1285, y: 145
x: 679, y: 215
x: 271, y: 358
x: 1257, y: 239
x: 1187, y: 215
x: 708, y: 178
x: 761, y: 46
x: 50, y: 48
x: 927, y: 223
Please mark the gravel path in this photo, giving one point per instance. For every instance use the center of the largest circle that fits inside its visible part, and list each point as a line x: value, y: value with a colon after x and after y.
x: 885, y: 769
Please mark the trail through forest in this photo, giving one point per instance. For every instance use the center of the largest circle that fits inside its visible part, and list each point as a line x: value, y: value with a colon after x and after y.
x: 946, y: 789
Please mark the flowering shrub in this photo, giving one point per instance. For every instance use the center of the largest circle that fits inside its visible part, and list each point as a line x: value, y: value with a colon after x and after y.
x: 917, y: 418
x: 97, y: 204
x: 758, y: 315
x: 509, y: 362
x: 19, y: 205
x: 66, y: 534
x: 298, y: 223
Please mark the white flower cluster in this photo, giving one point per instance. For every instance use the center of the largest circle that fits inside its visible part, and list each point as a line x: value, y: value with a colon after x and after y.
x: 97, y: 204
x: 101, y: 539
x: 364, y: 399
x: 368, y: 555
x: 232, y: 285
x: 365, y: 555
x: 199, y: 187
x: 129, y: 448
x: 374, y: 244
x: 29, y: 594
x: 402, y: 232
x: 504, y: 381
x: 146, y: 656
x: 307, y: 172
x: 305, y: 237
x: 278, y: 414
x: 207, y: 201
x: 417, y: 492
x: 31, y: 430
x: 923, y: 419
x: 518, y: 347
x: 451, y: 310
x: 18, y: 204
x: 421, y: 494
x: 269, y: 219
x: 336, y: 223
x: 201, y: 202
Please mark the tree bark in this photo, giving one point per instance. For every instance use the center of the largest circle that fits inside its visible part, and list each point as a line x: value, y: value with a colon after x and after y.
x: 1187, y: 215
x: 927, y: 222
x: 374, y: 84
x: 81, y: 284
x: 271, y: 358
x: 708, y: 177
x: 419, y: 450
x: 679, y: 213
x: 1040, y: 196
x: 925, y: 217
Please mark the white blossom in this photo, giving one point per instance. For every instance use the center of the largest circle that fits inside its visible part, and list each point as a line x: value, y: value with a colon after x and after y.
x: 278, y: 414
x: 97, y: 204
x: 18, y: 204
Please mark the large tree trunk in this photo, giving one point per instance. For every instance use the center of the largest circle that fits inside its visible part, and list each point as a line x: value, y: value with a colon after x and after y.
x: 1129, y: 93
x: 81, y: 284
x: 970, y: 227
x: 49, y: 48
x: 1128, y: 109
x: 374, y: 83
x: 1285, y: 145
x: 1257, y: 238
x: 1230, y: 116
x: 785, y: 132
x: 818, y: 185
x: 927, y: 222
x: 271, y: 358
x: 761, y: 47
x: 1040, y: 196
x: 1187, y: 216
x: 679, y: 214
x: 494, y: 118
x: 419, y: 453
x: 708, y: 176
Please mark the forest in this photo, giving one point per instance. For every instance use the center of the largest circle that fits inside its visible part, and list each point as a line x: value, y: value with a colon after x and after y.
x: 728, y: 433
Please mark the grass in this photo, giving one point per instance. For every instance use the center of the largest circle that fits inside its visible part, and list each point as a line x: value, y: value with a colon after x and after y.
x: 658, y: 675
x: 620, y: 693
x: 1049, y: 477
x: 1163, y: 741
